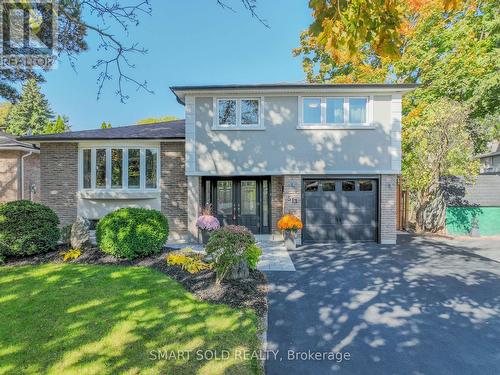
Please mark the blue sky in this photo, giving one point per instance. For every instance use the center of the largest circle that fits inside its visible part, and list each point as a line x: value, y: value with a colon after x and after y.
x: 190, y: 43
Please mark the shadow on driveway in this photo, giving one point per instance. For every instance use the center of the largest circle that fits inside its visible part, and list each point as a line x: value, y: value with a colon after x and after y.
x: 422, y: 306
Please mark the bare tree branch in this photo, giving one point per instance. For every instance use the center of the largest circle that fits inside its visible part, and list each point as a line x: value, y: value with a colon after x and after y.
x: 118, y: 63
x: 250, y: 5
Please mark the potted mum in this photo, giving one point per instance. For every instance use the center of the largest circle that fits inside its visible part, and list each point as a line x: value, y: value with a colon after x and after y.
x: 207, y: 223
x: 289, y: 224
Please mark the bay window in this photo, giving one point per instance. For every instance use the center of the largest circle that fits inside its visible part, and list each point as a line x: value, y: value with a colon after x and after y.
x: 134, y: 168
x: 334, y: 111
x: 116, y: 168
x: 119, y: 168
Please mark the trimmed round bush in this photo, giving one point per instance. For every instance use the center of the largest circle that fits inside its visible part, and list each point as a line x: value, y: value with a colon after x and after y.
x: 27, y: 228
x: 132, y: 232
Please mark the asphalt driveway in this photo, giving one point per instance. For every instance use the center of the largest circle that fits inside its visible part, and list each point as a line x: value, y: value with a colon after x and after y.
x: 423, y: 306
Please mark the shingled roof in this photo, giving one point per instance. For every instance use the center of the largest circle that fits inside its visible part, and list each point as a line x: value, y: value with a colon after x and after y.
x: 9, y: 142
x: 161, y: 130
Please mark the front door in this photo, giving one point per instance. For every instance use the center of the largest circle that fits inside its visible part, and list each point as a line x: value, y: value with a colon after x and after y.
x: 240, y: 201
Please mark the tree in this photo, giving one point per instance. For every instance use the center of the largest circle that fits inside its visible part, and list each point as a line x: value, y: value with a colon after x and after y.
x: 59, y: 126
x: 344, y: 28
x: 31, y: 114
x: 105, y: 126
x: 5, y: 108
x: 155, y: 120
x: 437, y: 144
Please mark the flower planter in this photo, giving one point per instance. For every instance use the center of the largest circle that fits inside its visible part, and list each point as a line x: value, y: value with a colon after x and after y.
x: 204, y: 235
x: 290, y: 240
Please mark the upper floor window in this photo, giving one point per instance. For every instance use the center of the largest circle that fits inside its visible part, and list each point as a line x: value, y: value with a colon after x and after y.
x: 325, y: 111
x: 119, y: 168
x: 238, y: 113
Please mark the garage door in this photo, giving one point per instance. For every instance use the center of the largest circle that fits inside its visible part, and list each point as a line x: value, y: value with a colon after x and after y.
x: 340, y: 210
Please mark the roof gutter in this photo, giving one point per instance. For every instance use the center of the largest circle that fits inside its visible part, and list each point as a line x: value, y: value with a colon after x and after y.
x: 181, y: 91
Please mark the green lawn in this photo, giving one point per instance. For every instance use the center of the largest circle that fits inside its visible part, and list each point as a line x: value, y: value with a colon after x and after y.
x: 83, y: 319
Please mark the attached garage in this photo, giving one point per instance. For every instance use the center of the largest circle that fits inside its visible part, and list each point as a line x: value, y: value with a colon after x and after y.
x: 340, y: 210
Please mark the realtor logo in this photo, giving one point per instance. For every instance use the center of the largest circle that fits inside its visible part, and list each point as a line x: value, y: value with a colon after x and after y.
x: 28, y: 34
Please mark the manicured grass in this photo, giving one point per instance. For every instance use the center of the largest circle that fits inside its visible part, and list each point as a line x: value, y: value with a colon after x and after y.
x: 88, y: 319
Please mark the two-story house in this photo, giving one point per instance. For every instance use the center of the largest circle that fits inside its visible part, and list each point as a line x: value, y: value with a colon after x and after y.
x: 328, y: 153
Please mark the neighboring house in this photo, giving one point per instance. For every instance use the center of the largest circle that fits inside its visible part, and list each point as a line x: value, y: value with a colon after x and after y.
x: 479, y: 200
x: 328, y: 153
x: 19, y: 170
x: 490, y: 161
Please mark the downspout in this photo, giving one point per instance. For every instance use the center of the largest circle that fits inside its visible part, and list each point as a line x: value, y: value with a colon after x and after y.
x: 22, y: 173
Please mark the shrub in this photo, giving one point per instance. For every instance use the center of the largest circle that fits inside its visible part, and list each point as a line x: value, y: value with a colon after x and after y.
x: 71, y: 254
x: 132, y: 232
x: 252, y: 255
x: 228, y: 248
x: 27, y: 228
x: 188, y: 260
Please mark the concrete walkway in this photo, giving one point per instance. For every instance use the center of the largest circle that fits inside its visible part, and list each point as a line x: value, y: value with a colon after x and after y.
x: 275, y: 257
x: 423, y: 306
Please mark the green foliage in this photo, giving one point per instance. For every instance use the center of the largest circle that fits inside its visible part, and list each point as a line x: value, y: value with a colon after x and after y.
x: 59, y: 126
x: 155, y: 120
x: 27, y: 228
x: 456, y: 56
x: 253, y: 253
x: 105, y: 125
x: 228, y: 247
x: 437, y: 144
x: 5, y: 108
x: 132, y: 232
x: 189, y: 260
x: 31, y: 114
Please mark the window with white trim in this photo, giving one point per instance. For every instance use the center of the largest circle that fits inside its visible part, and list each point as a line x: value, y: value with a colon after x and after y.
x: 119, y: 168
x: 336, y: 111
x: 238, y: 113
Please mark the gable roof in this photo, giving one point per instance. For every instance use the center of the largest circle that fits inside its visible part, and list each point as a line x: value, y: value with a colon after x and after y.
x: 181, y: 91
x: 161, y: 130
x: 8, y: 142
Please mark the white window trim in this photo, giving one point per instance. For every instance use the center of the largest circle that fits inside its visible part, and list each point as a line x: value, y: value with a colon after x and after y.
x: 124, y: 188
x: 346, y: 124
x: 238, y: 125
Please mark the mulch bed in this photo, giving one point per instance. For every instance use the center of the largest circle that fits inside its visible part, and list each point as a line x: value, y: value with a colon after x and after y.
x: 251, y: 292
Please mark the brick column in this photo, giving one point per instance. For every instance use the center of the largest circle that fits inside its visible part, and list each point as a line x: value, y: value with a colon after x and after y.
x: 276, y: 204
x: 388, y: 209
x: 173, y: 184
x: 292, y: 198
x: 59, y: 179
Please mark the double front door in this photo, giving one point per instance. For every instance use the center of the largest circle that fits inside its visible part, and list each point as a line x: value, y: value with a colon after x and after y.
x: 240, y: 201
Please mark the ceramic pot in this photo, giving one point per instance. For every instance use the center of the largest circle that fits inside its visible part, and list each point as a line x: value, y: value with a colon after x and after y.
x: 290, y: 240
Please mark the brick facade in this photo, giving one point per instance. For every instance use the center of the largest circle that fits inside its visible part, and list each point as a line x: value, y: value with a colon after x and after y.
x: 292, y: 198
x: 59, y: 179
x: 32, y: 177
x: 10, y: 164
x: 388, y: 186
x: 173, y: 185
x: 276, y: 202
x: 10, y: 176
